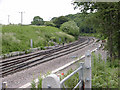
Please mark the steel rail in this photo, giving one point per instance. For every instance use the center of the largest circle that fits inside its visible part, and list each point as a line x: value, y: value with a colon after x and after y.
x: 27, y: 62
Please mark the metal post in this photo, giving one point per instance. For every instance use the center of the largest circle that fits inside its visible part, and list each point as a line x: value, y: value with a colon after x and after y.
x: 105, y: 57
x: 0, y: 82
x: 4, y: 85
x: 31, y: 43
x: 59, y: 41
x: 21, y: 16
x: 87, y: 74
x: 81, y: 73
x: 8, y: 19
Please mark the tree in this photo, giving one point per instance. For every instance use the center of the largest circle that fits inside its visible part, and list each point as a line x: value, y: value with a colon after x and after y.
x: 107, y: 14
x: 83, y: 21
x: 70, y: 27
x: 60, y: 20
x: 53, y: 18
x: 49, y: 23
x: 37, y: 21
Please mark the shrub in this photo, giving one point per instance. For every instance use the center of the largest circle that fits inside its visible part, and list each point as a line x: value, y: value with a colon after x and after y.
x: 71, y: 28
x: 104, y: 76
x: 60, y: 20
x: 49, y: 23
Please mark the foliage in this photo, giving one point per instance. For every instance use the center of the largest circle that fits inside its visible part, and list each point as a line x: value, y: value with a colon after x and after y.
x: 37, y: 21
x: 104, y: 75
x: 49, y: 23
x: 106, y: 14
x: 96, y: 35
x: 70, y: 27
x: 60, y: 20
x: 53, y: 19
x: 17, y: 38
x: 37, y: 86
x: 33, y: 84
x: 39, y: 82
x: 83, y: 21
x: 71, y: 82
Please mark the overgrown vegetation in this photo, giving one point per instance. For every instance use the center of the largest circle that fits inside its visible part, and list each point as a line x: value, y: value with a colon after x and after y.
x: 17, y: 38
x: 104, y: 17
x: 83, y: 21
x: 60, y: 20
x: 104, y: 74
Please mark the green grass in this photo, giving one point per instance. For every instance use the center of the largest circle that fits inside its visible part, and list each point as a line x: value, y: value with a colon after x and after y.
x: 17, y: 38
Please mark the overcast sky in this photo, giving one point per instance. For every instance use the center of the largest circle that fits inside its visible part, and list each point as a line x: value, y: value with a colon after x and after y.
x: 46, y: 9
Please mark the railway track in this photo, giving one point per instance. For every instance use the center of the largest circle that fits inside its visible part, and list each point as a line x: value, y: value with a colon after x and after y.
x: 15, y: 64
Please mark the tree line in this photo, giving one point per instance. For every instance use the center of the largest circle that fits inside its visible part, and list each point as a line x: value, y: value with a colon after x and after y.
x: 100, y: 17
x: 105, y: 19
x: 73, y: 24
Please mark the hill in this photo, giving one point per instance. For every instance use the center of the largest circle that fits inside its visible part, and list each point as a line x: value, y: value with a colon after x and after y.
x: 17, y: 38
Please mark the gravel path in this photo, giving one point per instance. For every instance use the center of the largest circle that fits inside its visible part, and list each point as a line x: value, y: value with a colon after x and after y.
x: 20, y: 78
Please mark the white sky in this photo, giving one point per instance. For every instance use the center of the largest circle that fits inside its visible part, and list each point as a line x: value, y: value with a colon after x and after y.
x: 46, y: 9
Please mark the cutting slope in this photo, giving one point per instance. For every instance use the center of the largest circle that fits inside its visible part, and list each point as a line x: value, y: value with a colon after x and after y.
x: 17, y: 38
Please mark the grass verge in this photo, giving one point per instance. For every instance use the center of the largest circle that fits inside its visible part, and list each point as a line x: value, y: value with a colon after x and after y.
x: 17, y: 37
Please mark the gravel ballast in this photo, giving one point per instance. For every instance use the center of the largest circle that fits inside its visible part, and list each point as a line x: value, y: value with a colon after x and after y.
x: 20, y: 78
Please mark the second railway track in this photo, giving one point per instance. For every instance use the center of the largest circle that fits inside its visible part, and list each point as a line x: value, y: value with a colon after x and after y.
x: 12, y: 65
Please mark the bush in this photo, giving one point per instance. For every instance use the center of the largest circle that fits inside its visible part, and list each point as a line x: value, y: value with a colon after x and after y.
x: 71, y: 28
x: 104, y: 76
x: 60, y: 20
x: 49, y: 23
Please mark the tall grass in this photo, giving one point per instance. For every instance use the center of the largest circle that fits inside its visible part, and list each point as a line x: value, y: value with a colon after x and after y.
x: 17, y: 38
x: 104, y: 74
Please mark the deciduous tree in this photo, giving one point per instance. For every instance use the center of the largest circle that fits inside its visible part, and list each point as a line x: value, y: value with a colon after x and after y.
x: 60, y: 20
x: 107, y: 13
x: 37, y: 21
x: 70, y: 27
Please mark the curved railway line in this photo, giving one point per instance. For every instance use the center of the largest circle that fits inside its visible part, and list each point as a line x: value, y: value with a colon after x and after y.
x: 15, y: 64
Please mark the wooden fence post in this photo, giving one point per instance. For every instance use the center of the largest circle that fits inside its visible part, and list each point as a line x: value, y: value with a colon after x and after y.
x: 87, y: 69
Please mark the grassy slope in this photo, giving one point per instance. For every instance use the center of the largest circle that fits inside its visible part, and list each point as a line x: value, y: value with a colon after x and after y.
x: 17, y: 38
